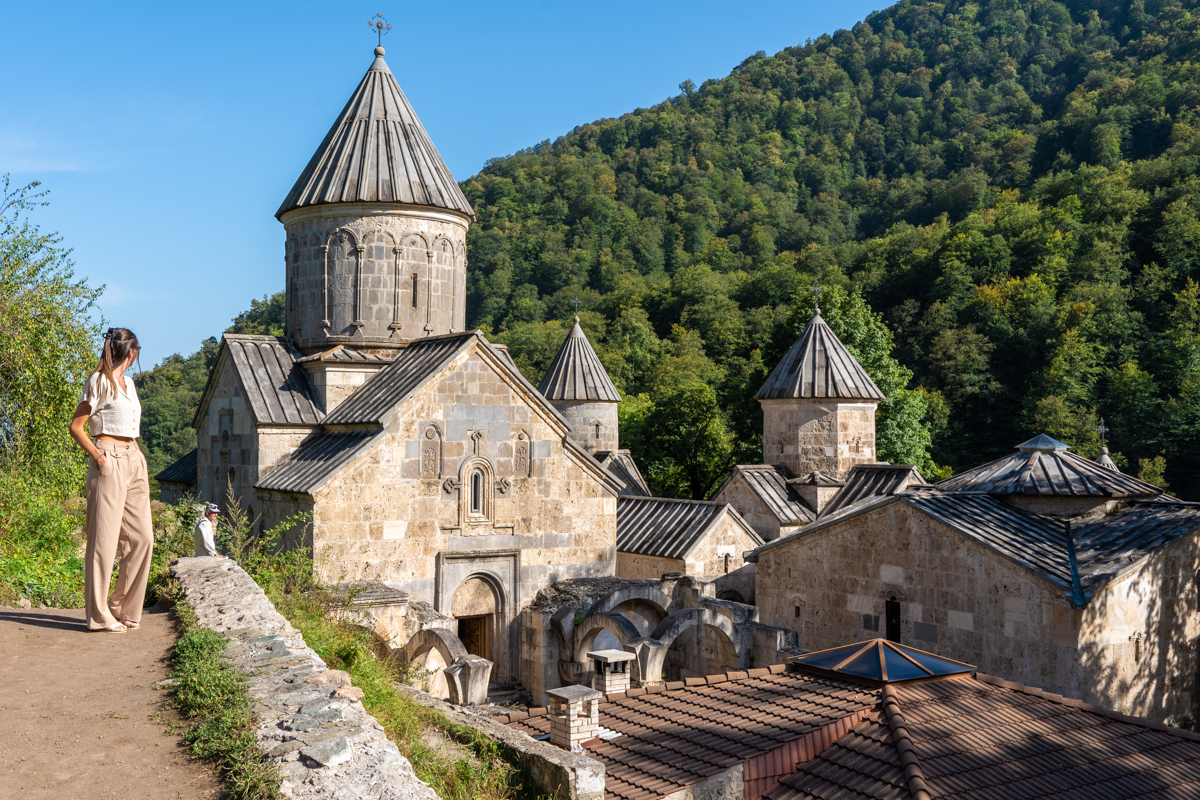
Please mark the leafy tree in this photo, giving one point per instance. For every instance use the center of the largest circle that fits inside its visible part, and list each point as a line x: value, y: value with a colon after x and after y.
x: 684, y: 444
x: 48, y: 346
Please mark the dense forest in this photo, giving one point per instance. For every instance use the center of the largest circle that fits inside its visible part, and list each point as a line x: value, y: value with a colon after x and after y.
x: 1000, y: 197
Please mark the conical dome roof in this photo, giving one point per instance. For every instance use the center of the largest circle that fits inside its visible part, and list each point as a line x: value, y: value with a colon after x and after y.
x: 377, y: 152
x: 818, y: 365
x: 577, y: 374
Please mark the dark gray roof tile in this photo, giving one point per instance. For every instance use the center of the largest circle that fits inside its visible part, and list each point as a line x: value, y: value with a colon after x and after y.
x: 182, y: 471
x: 317, y: 459
x: 377, y: 152
x: 577, y: 374
x: 275, y: 384
x: 866, y: 481
x: 818, y: 365
x: 383, y: 391
x: 621, y: 465
x: 665, y: 527
x: 1042, y: 466
x: 771, y: 486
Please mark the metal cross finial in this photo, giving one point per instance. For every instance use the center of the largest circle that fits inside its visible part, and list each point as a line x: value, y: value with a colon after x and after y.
x: 1100, y: 429
x: 380, y: 25
x: 576, y: 302
x: 816, y: 287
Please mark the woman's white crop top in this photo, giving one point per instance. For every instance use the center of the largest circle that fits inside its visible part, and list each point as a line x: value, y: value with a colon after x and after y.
x: 114, y: 413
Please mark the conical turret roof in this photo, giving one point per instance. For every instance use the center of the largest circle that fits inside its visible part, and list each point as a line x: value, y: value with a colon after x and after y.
x: 577, y: 374
x: 377, y: 152
x: 818, y: 365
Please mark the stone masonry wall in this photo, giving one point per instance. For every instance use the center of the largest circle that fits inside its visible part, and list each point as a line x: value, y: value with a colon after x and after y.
x: 1141, y: 638
x: 957, y: 599
x: 227, y: 440
x: 400, y: 511
x: 636, y: 567
x: 310, y: 720
x: 739, y: 495
x: 593, y: 425
x: 727, y: 536
x: 805, y: 436
x: 377, y: 274
x: 965, y: 602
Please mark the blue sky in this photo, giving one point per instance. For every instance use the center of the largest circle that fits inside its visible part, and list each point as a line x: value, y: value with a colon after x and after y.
x: 168, y: 134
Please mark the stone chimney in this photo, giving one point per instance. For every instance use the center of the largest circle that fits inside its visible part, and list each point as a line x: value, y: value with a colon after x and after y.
x: 574, y: 717
x: 612, y: 670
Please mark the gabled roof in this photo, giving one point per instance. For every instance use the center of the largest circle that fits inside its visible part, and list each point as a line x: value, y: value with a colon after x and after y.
x: 872, y: 480
x: 967, y: 738
x: 1043, y: 466
x: 382, y: 392
x: 276, y: 387
x: 771, y: 486
x: 669, y: 528
x: 879, y: 662
x: 377, y: 152
x: 316, y: 460
x: 577, y: 374
x: 818, y: 365
x: 816, y: 478
x: 182, y: 471
x: 621, y: 464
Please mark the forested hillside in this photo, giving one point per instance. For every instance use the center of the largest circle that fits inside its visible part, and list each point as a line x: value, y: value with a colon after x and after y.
x: 1001, y: 198
x: 1011, y: 185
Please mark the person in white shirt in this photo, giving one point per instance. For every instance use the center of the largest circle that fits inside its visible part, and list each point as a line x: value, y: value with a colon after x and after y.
x: 206, y: 545
x: 118, y: 488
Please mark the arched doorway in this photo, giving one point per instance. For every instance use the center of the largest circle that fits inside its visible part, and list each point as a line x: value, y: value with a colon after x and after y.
x: 478, y: 607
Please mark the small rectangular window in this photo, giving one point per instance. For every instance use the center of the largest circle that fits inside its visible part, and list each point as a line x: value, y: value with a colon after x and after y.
x: 797, y: 612
x: 414, y: 291
x: 892, y: 612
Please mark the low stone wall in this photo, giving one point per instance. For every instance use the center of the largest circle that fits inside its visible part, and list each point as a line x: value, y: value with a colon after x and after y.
x: 310, y: 720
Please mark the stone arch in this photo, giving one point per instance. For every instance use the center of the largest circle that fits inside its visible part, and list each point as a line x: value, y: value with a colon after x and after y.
x: 480, y: 605
x: 343, y: 281
x: 586, y: 632
x: 652, y: 659
x: 643, y: 591
x: 441, y: 647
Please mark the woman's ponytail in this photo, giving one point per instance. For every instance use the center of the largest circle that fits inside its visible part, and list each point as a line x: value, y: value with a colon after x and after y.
x: 118, y: 344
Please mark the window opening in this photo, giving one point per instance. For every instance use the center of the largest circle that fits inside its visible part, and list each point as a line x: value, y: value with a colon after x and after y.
x: 892, y: 611
x: 414, y: 290
x: 476, y: 492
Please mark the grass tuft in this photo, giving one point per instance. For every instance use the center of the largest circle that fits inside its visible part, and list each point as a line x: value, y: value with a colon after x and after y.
x: 213, y: 697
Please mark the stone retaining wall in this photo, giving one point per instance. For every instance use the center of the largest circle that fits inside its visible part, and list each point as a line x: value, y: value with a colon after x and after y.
x: 310, y: 719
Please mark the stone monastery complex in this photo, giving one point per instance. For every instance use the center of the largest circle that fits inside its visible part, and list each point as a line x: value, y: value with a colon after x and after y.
x: 506, y: 540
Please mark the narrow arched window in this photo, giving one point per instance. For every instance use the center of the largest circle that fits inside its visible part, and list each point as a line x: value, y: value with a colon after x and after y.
x: 477, y: 492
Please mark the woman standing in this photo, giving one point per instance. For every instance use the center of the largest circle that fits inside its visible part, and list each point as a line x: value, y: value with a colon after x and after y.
x: 118, y: 489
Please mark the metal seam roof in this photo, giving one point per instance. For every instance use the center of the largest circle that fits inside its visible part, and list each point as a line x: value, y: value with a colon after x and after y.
x: 1049, y: 473
x: 665, y: 527
x: 819, y: 366
x: 872, y: 480
x: 377, y: 151
x: 181, y: 471
x: 383, y: 391
x: 276, y: 386
x: 621, y: 464
x: 577, y: 374
x: 770, y: 485
x: 316, y: 460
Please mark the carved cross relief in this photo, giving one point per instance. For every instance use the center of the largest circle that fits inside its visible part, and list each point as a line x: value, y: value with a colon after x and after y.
x: 521, y: 457
x: 431, y: 453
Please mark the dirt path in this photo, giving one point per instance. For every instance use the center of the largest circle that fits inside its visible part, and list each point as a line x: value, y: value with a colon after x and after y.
x: 77, y: 712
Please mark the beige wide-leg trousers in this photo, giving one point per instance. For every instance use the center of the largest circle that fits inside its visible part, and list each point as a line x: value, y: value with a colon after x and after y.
x: 118, y: 522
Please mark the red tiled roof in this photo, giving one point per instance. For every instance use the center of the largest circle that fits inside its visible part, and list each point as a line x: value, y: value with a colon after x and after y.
x: 675, y: 736
x: 982, y: 738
